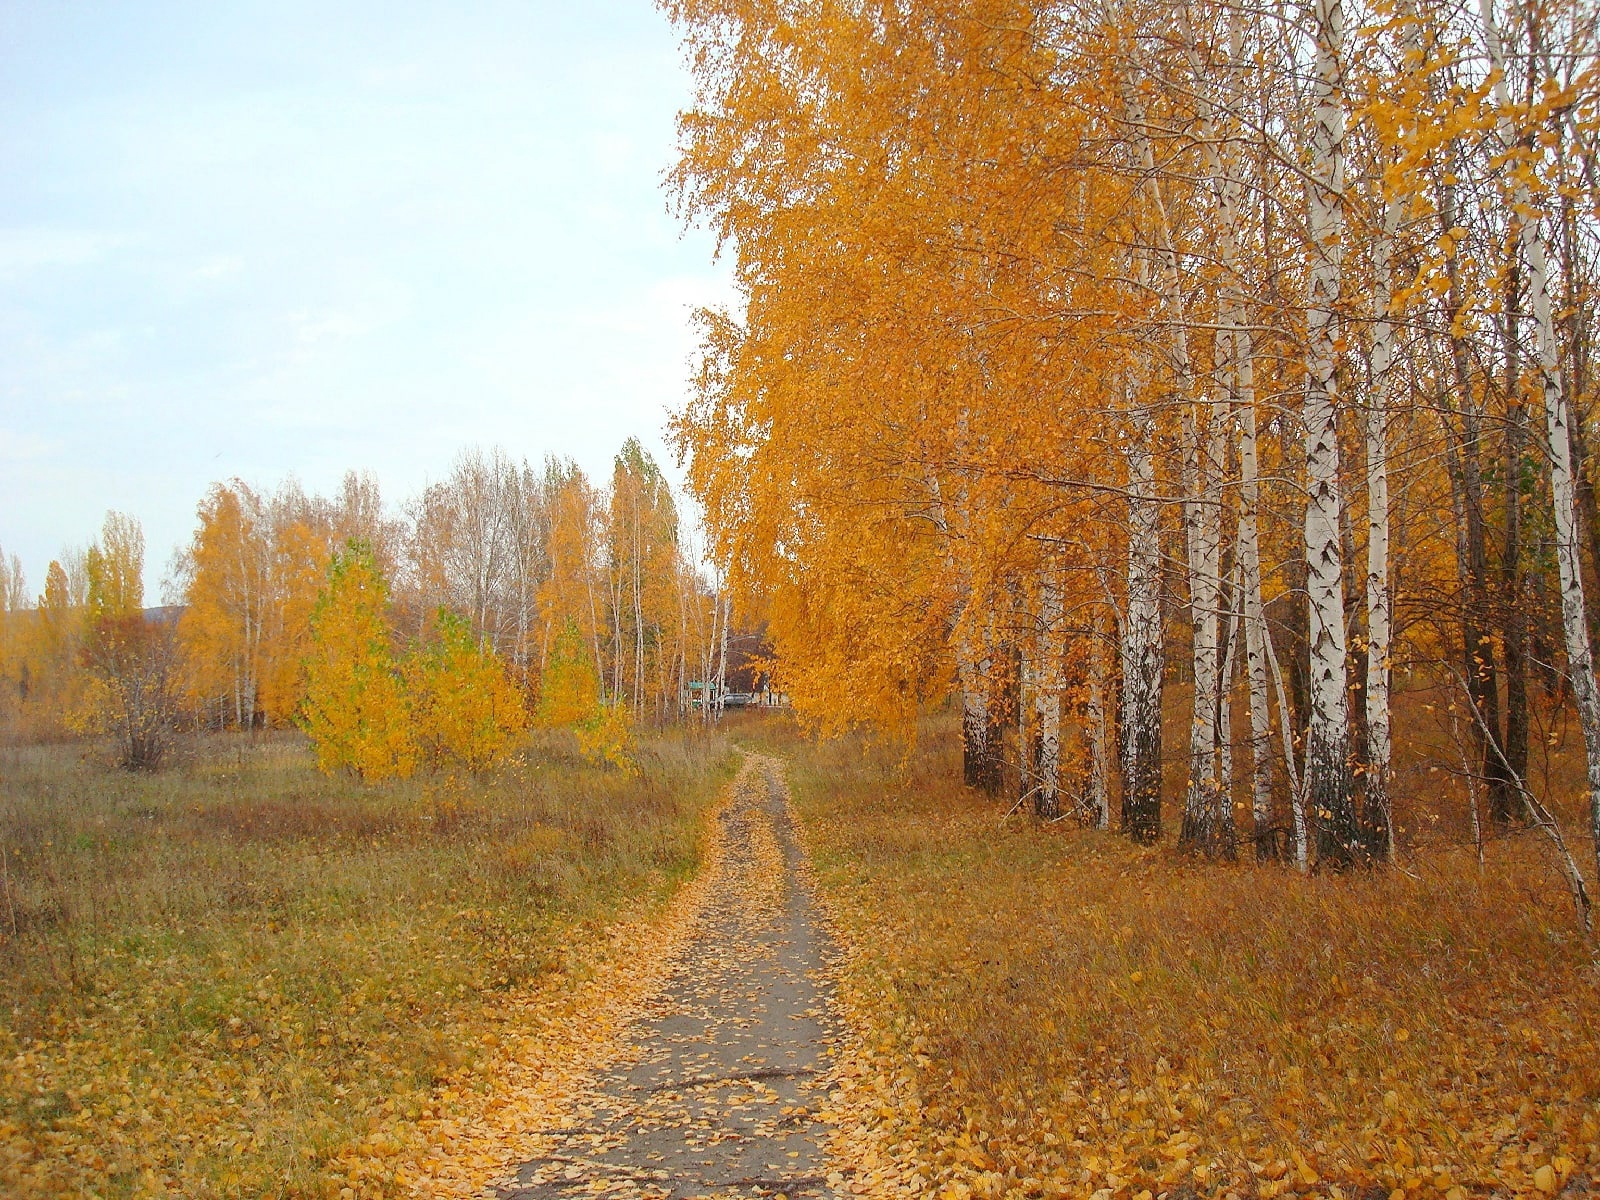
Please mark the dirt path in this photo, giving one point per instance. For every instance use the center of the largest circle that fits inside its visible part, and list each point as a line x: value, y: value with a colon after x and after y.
x: 721, y: 1093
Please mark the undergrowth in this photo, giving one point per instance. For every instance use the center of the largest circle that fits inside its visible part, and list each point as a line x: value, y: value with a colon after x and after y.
x: 217, y: 979
x: 1055, y: 1011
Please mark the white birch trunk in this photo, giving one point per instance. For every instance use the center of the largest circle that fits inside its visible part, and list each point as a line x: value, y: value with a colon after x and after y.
x: 1047, y: 699
x: 1297, y: 791
x: 1251, y: 606
x: 1225, y: 777
x: 1202, y: 828
x: 1377, y: 825
x: 1027, y: 724
x: 1329, y: 785
x: 975, y: 725
x: 709, y: 673
x: 1225, y: 771
x: 722, y: 653
x: 1095, y: 711
x: 1235, y: 357
x: 1202, y: 517
x: 977, y: 754
x: 1142, y: 645
x: 980, y: 756
x: 594, y: 637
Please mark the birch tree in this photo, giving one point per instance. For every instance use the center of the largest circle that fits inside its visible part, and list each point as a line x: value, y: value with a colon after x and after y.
x: 1329, y: 785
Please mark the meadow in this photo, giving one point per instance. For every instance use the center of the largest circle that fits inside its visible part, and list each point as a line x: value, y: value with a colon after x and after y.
x: 1051, y: 1010
x: 238, y: 976
x: 220, y: 978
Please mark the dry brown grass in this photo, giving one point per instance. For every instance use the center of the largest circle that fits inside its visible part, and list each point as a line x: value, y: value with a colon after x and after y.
x: 1058, y: 1012
x: 218, y: 979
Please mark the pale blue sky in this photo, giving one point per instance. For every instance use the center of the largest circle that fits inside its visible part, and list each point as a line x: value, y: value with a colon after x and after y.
x: 261, y: 238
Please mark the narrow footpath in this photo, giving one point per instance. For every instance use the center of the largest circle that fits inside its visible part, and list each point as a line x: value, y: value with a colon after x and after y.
x: 721, y: 1094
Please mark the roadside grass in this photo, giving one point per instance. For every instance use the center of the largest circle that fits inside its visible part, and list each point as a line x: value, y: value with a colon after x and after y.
x: 1054, y: 1011
x: 217, y: 980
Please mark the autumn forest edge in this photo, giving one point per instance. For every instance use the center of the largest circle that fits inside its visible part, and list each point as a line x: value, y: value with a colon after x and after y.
x: 1091, y: 361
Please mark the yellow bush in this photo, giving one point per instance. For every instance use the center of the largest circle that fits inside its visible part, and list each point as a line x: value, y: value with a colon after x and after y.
x: 466, y: 708
x: 356, y: 710
x: 608, y: 738
x: 569, y: 693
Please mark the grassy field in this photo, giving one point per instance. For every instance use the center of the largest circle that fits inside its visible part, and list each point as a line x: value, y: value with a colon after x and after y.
x: 1055, y: 1011
x: 231, y: 977
x: 215, y: 979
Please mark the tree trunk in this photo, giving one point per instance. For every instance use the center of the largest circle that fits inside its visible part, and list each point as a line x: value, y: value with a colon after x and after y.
x: 1232, y: 629
x: 1203, y: 826
x: 1376, y: 821
x: 975, y: 751
x: 1356, y: 660
x: 1201, y: 521
x: 1143, y: 647
x: 1095, y: 711
x: 1587, y: 502
x: 980, y: 745
x: 1027, y: 726
x: 1575, y: 388
x: 1513, y: 618
x: 722, y: 654
x: 1047, y: 699
x: 1248, y: 541
x: 1329, y: 785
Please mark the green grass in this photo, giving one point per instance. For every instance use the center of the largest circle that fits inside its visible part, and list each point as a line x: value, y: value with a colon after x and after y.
x: 214, y: 978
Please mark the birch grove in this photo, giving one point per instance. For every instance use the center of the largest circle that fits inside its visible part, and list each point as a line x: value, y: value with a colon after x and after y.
x: 1231, y: 319
x: 498, y: 561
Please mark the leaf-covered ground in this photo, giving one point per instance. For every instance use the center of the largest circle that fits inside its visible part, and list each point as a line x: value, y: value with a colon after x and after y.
x: 238, y: 977
x: 705, y: 1056
x: 239, y: 980
x: 720, y: 1091
x: 1052, y: 1011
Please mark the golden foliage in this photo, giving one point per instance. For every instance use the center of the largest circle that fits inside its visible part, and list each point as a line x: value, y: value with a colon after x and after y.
x: 570, y: 699
x: 608, y: 738
x: 116, y: 570
x: 253, y: 572
x: 467, y: 710
x: 926, y: 327
x: 300, y: 558
x: 569, y: 692
x: 356, y: 710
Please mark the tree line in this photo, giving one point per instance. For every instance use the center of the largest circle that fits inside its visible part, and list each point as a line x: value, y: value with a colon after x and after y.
x: 1088, y: 347
x: 502, y: 593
